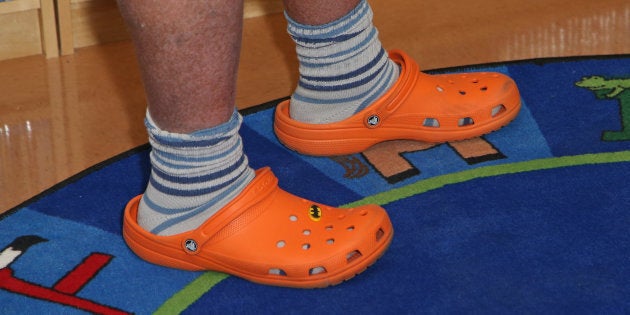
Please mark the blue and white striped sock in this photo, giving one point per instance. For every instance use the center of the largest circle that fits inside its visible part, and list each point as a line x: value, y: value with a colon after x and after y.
x: 192, y: 176
x: 343, y: 67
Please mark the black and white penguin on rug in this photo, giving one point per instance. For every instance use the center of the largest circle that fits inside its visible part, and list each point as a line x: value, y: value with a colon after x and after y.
x: 14, y: 250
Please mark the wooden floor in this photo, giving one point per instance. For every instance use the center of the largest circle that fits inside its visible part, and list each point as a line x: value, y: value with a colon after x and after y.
x: 63, y: 115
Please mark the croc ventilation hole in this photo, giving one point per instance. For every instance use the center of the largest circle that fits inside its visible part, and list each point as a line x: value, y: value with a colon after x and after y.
x: 431, y: 122
x: 330, y: 241
x: 306, y: 246
x: 499, y: 109
x: 466, y: 121
x: 277, y: 272
x: 317, y: 271
x: 350, y: 228
x: 281, y: 244
x: 462, y: 92
x: 312, y: 272
x: 379, y: 234
x: 353, y: 255
x: 439, y: 89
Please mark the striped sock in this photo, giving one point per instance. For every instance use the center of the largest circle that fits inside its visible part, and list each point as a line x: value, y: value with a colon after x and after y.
x: 192, y: 176
x: 343, y: 67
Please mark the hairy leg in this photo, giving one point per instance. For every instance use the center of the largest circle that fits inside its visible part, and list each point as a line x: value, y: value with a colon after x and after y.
x: 188, y: 53
x: 317, y: 12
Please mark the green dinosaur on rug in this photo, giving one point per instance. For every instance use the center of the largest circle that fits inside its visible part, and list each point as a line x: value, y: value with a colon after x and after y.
x: 618, y: 89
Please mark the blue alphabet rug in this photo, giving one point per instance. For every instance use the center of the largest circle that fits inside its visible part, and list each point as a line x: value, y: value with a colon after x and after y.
x: 533, y: 218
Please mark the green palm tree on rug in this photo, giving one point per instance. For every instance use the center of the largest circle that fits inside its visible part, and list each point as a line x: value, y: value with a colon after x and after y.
x: 618, y: 89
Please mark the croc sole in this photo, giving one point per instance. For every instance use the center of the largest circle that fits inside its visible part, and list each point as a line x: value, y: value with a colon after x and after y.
x: 271, y: 237
x: 421, y: 107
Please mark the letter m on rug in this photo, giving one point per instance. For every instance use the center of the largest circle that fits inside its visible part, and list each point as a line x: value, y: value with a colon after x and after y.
x: 388, y: 161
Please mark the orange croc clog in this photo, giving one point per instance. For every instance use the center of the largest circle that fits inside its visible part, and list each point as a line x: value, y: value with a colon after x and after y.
x: 430, y: 108
x: 269, y: 236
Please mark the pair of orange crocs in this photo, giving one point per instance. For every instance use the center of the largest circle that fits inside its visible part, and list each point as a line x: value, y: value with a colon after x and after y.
x: 422, y: 107
x: 269, y: 236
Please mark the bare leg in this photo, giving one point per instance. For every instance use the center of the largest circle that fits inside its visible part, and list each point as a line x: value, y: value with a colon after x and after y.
x: 317, y: 12
x: 188, y: 53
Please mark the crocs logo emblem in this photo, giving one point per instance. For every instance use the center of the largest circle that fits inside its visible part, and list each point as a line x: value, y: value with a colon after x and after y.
x: 373, y: 120
x: 191, y: 245
x: 315, y: 213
